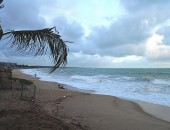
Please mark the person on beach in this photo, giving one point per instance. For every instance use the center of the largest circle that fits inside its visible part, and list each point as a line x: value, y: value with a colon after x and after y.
x: 35, y: 75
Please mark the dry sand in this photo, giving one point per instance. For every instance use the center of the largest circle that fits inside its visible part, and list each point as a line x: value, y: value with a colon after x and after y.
x: 77, y: 110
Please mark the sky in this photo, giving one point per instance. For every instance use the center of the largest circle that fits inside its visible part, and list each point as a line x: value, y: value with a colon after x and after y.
x: 106, y: 33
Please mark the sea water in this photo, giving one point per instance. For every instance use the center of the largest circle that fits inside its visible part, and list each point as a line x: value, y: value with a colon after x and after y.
x: 150, y: 85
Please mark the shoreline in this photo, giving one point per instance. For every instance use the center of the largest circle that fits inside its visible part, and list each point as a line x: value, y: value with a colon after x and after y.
x: 152, y: 92
x: 156, y: 110
x: 145, y: 109
x: 69, y: 87
x: 159, y: 111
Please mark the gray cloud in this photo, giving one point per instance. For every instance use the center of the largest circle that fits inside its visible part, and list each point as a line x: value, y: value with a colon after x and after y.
x: 129, y: 33
x: 165, y: 31
x: 21, y: 14
x: 127, y: 30
x: 152, y: 7
x: 70, y: 31
x: 123, y: 37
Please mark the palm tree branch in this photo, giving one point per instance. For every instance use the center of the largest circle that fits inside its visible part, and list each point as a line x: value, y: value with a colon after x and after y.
x: 38, y: 41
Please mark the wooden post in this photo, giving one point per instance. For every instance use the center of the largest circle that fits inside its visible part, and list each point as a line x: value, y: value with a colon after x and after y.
x: 21, y: 89
x: 0, y: 78
x: 11, y: 77
x: 34, y: 91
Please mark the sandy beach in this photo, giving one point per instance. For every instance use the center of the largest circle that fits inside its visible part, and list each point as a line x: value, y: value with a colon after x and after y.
x: 56, y: 108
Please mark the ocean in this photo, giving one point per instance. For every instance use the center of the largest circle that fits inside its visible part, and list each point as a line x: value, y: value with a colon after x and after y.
x: 150, y: 85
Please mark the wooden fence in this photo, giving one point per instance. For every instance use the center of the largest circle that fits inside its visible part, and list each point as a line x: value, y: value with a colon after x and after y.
x: 5, y: 78
x: 26, y: 88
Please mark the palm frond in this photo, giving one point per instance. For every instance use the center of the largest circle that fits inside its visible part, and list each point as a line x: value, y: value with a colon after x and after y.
x: 38, y: 42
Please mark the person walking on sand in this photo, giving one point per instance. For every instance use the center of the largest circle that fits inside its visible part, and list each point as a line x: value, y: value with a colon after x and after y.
x: 35, y: 75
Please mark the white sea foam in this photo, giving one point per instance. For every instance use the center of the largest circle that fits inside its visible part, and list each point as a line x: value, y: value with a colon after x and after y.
x: 161, y: 81
x: 90, y: 79
x: 150, y: 88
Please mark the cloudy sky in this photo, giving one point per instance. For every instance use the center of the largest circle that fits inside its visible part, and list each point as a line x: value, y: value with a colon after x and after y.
x: 106, y: 33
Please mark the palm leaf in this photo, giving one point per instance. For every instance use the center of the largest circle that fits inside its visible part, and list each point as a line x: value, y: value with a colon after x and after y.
x: 38, y: 42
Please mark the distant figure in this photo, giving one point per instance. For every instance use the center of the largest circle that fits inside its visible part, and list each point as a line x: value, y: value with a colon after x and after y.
x: 35, y: 75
